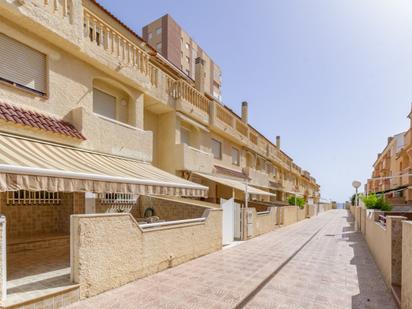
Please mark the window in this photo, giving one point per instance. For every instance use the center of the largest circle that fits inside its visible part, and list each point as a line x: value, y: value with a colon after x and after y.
x: 187, y: 59
x: 216, y: 149
x: 187, y: 46
x: 188, y: 72
x: 235, y: 156
x: 159, y: 46
x: 23, y: 197
x: 185, y: 136
x: 150, y: 36
x: 159, y: 31
x: 22, y: 66
x: 104, y: 104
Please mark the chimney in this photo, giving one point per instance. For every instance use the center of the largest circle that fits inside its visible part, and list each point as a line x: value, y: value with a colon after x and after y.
x: 278, y: 141
x: 245, y: 112
x: 390, y: 138
x: 200, y: 74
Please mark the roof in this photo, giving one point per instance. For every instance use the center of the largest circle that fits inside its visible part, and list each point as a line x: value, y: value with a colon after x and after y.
x: 28, y: 164
x: 35, y: 120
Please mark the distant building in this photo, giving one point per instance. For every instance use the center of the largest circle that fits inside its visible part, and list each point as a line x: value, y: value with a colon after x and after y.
x: 177, y: 46
x: 392, y: 168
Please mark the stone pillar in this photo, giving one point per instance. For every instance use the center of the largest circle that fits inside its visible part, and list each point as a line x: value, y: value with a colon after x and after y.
x: 138, y: 120
x: 394, y: 227
x: 79, y: 206
x: 406, y: 298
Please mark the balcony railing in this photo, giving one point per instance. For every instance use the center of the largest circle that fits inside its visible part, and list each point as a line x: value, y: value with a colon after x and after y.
x: 182, y: 90
x: 224, y: 115
x: 253, y: 138
x: 113, y: 42
x: 241, y: 127
x: 63, y: 7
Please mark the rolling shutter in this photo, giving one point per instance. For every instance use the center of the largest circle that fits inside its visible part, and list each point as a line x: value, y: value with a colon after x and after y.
x: 104, y: 104
x: 22, y: 65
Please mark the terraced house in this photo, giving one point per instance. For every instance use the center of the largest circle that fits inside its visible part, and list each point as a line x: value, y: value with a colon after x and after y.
x: 104, y: 141
x: 392, y: 169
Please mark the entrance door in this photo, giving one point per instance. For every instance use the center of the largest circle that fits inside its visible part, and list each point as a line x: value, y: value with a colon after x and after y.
x: 228, y: 229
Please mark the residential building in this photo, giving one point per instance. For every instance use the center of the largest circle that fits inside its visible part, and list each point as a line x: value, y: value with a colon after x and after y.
x: 392, y: 169
x: 177, y: 46
x: 94, y: 120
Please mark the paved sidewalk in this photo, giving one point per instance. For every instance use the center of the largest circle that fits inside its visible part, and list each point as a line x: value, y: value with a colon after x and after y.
x: 310, y: 264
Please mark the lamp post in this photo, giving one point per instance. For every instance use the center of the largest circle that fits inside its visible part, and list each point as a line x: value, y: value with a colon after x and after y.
x: 356, y: 184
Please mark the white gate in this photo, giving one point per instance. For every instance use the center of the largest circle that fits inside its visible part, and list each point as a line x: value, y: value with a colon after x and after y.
x: 228, y: 229
x: 238, y: 220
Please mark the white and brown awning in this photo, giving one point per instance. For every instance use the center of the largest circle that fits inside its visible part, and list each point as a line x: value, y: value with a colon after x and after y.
x: 27, y: 164
x: 235, y: 184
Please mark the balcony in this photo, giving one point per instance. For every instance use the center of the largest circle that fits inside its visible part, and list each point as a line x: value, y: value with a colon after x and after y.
x: 86, y: 30
x: 190, y: 101
x: 111, y: 136
x: 192, y: 159
x: 228, y: 124
x: 258, y: 178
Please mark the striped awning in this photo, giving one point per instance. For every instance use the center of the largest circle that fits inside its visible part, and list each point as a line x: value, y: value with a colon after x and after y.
x: 27, y: 164
x: 235, y: 184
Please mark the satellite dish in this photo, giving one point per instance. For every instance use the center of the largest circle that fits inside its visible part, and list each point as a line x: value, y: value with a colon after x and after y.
x: 356, y: 184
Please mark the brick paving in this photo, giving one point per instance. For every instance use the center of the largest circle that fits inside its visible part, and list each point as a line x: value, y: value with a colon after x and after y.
x: 317, y: 263
x: 35, y: 273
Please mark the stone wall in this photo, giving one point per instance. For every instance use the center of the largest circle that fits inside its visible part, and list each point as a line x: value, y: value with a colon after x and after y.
x: 31, y: 220
x: 385, y: 244
x: 406, y: 299
x: 109, y: 250
x: 170, y: 209
x: 264, y: 222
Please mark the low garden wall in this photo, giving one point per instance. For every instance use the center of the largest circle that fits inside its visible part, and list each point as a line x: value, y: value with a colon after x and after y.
x: 109, y: 250
x: 390, y: 244
x: 406, y: 265
x: 292, y: 214
x: 265, y: 221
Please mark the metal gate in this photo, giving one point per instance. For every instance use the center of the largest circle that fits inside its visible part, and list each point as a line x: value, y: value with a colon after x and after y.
x: 228, y: 221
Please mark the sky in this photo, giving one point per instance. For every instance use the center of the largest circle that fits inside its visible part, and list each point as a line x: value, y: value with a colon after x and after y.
x: 333, y: 78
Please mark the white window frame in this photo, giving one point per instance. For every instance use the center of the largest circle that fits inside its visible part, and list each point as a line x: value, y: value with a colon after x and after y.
x: 159, y: 31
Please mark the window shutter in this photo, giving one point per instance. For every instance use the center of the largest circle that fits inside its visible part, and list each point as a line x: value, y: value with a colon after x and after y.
x: 104, y: 104
x: 22, y: 65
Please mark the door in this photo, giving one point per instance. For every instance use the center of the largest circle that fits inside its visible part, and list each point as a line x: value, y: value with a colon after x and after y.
x: 228, y: 229
x: 238, y: 220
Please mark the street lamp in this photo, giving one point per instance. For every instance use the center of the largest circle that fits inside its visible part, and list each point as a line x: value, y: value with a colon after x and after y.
x: 356, y: 184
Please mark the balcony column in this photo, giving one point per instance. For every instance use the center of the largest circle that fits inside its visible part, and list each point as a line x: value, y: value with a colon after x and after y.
x: 139, y: 110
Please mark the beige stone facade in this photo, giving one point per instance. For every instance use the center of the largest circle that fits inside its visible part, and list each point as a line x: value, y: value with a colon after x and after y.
x: 392, y: 169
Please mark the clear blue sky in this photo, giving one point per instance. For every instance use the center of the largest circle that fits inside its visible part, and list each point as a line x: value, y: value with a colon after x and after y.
x: 332, y: 77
